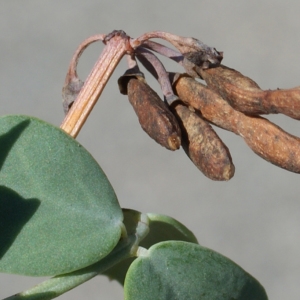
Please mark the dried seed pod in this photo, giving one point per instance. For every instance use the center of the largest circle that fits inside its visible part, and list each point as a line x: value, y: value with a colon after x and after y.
x: 154, y: 116
x: 202, y: 145
x: 212, y: 106
x: 263, y: 137
x: 246, y: 96
x: 271, y: 142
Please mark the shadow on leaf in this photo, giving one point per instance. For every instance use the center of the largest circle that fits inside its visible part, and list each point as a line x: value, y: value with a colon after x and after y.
x: 8, y: 139
x: 15, y: 212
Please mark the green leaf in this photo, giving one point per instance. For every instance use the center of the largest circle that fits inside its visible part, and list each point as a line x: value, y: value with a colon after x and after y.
x: 164, y: 228
x: 58, y: 211
x: 181, y: 270
x: 161, y: 228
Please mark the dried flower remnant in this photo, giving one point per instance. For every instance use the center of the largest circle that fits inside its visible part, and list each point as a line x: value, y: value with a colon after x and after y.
x: 246, y: 96
x: 73, y: 83
x: 263, y: 137
x: 154, y: 116
x: 202, y: 145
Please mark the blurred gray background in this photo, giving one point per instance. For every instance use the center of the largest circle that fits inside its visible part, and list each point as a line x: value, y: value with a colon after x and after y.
x: 254, y: 218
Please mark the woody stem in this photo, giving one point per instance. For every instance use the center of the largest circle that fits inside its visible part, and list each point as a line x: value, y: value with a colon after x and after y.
x: 111, y: 55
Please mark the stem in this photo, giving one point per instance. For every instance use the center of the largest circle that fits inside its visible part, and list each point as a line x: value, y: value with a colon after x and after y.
x: 198, y: 53
x: 141, y: 252
x: 151, y: 61
x: 164, y: 50
x: 73, y: 84
x: 114, y: 50
x: 152, y: 35
x: 183, y: 44
x: 132, y: 64
x: 74, y: 61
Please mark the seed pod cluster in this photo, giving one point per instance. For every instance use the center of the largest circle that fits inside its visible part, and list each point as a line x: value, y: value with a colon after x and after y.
x: 246, y: 96
x: 185, y: 122
x: 178, y: 125
x: 229, y: 100
x: 154, y: 115
x: 263, y: 137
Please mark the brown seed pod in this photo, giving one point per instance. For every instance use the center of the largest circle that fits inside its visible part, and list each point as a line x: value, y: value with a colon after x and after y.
x: 246, y: 96
x: 202, y: 145
x: 263, y: 137
x: 271, y: 142
x: 154, y: 116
